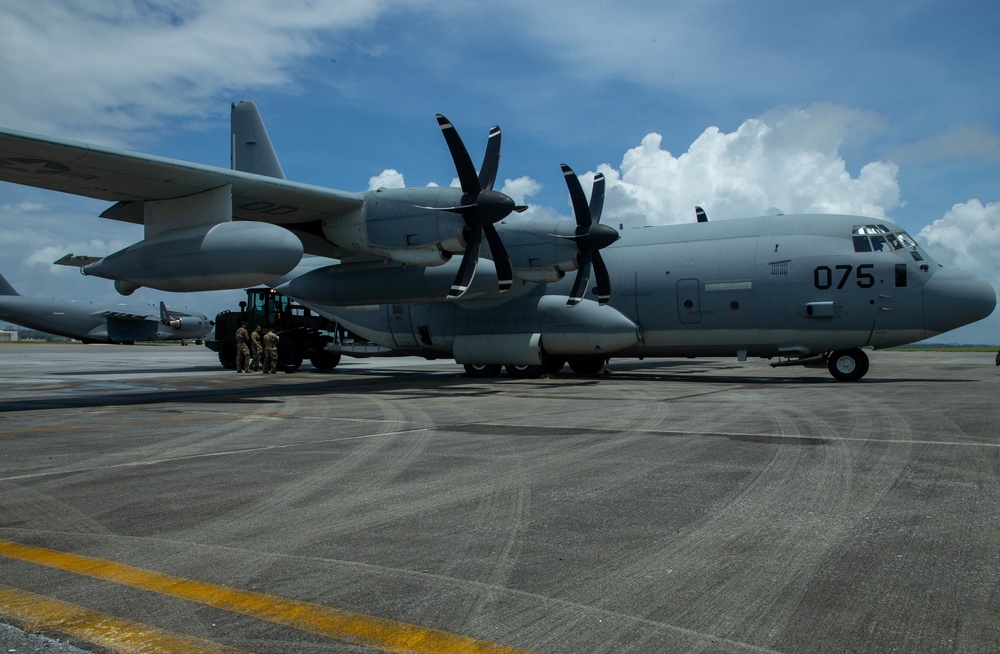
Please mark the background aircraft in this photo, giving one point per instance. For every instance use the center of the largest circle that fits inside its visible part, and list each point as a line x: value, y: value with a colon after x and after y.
x: 94, y: 324
x: 810, y: 289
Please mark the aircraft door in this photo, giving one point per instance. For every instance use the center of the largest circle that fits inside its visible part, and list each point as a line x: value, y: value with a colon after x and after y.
x: 401, y: 325
x: 899, y: 306
x: 689, y: 301
x: 637, y: 298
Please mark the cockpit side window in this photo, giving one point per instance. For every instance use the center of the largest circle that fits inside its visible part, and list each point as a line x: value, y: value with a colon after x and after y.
x: 906, y: 240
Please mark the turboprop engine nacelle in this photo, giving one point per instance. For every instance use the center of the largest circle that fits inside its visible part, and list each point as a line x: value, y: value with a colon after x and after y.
x: 403, y: 225
x: 187, y: 323
x: 204, y: 258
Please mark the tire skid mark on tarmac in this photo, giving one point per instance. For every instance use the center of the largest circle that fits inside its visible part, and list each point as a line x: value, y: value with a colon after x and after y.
x: 20, y: 504
x: 783, y: 484
x: 396, y: 441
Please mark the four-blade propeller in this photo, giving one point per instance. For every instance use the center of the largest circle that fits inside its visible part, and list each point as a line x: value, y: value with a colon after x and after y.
x: 591, y: 237
x: 481, y: 207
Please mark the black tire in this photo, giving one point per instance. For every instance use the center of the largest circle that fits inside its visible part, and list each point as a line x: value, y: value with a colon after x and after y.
x: 552, y: 365
x: 587, y: 366
x: 482, y: 370
x: 325, y: 361
x: 524, y: 372
x: 227, y: 353
x: 848, y: 365
x: 289, y: 354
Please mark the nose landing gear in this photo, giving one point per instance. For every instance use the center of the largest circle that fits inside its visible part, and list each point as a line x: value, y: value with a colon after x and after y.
x: 847, y: 365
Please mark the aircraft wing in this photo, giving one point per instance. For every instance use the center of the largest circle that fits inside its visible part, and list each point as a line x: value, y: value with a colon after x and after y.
x: 128, y: 178
x: 123, y: 315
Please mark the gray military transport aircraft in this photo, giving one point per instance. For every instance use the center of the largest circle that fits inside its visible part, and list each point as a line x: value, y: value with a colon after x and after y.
x: 798, y: 289
x: 95, y: 324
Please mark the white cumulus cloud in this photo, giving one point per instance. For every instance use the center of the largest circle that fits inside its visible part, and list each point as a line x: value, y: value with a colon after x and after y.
x: 968, y: 237
x: 789, y: 162
x: 388, y: 178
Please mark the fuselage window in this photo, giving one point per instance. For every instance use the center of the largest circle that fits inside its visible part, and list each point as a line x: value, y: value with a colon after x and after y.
x: 861, y: 244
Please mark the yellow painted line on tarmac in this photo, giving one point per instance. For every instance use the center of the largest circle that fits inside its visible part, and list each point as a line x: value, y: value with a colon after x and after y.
x: 358, y: 628
x: 38, y: 613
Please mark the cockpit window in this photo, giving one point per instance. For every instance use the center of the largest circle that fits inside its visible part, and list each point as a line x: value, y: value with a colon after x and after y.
x: 906, y: 240
x: 879, y: 238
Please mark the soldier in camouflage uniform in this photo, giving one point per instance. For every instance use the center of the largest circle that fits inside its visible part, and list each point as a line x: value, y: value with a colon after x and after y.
x: 242, y: 349
x: 270, y: 352
x: 256, y: 349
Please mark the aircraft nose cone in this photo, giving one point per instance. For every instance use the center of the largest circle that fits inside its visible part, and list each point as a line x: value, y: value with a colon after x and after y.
x: 953, y: 298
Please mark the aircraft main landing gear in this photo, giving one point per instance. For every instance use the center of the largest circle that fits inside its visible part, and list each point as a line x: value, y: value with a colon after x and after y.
x: 847, y: 365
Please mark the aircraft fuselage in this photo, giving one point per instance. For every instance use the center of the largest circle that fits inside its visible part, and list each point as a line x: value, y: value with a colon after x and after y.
x: 775, y: 286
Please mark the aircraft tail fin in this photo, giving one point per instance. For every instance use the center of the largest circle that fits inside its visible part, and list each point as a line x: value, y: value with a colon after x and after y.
x: 252, y: 151
x: 6, y: 288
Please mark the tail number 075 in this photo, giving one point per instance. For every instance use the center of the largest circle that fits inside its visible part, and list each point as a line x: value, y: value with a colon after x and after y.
x: 824, y: 277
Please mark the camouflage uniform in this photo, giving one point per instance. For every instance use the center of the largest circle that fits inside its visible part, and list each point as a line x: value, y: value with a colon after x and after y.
x: 242, y: 351
x: 270, y: 352
x: 256, y: 349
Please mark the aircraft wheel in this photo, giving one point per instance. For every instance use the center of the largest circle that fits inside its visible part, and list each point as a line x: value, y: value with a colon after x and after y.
x: 482, y: 370
x: 524, y: 372
x: 848, y: 365
x: 587, y: 366
x: 227, y: 353
x: 325, y: 361
x: 289, y: 354
x: 552, y: 365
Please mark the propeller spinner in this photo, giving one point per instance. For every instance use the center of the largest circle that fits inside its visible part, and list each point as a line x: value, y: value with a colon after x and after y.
x: 481, y: 207
x: 591, y: 237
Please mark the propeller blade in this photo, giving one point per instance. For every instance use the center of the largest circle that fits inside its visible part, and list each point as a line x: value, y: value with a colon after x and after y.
x: 597, y: 198
x: 470, y: 260
x: 603, y: 279
x: 481, y: 207
x: 590, y: 238
x: 491, y: 160
x: 467, y: 176
x: 505, y: 272
x: 580, y: 209
x: 582, y: 278
x: 700, y: 214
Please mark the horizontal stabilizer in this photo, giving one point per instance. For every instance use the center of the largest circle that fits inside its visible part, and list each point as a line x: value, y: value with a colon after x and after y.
x: 6, y: 288
x: 77, y: 261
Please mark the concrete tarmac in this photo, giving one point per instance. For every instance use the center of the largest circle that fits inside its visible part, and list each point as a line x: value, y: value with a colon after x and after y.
x: 700, y: 505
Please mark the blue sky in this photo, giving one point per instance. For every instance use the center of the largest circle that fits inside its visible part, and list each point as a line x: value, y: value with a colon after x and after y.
x: 879, y: 108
